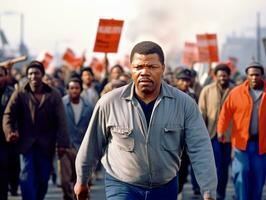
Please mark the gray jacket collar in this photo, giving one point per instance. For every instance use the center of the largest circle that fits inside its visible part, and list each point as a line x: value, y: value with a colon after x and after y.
x: 166, y: 91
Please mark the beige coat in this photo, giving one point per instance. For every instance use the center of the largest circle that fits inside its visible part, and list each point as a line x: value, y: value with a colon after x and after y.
x: 210, y: 104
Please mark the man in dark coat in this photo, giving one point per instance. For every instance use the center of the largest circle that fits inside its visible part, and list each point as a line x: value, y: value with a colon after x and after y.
x: 35, y: 120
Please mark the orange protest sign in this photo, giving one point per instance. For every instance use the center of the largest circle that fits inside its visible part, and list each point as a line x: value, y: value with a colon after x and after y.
x: 190, y: 53
x: 47, y: 59
x: 70, y: 57
x: 203, y: 48
x: 108, y: 35
x: 213, y: 47
x: 207, y: 48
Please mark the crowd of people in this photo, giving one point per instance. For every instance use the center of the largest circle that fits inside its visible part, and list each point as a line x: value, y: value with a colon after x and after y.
x: 149, y: 133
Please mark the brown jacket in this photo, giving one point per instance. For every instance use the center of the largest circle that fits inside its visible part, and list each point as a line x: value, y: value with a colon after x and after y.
x: 210, y: 104
x: 41, y: 124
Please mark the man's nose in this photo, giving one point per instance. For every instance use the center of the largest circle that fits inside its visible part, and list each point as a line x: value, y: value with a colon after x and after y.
x: 145, y: 71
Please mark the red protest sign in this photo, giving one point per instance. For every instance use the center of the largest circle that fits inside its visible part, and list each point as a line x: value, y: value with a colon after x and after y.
x: 190, y: 53
x: 47, y: 59
x: 213, y: 47
x: 70, y: 58
x: 108, y: 35
x: 207, y: 47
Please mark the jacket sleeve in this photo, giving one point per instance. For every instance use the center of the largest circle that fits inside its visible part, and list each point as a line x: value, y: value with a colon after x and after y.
x: 62, y: 136
x: 200, y: 150
x: 10, y: 114
x: 225, y: 115
x: 93, y: 145
x: 203, y: 105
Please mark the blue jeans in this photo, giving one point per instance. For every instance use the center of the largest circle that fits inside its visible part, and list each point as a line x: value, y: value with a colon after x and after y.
x: 249, y: 170
x: 222, y: 156
x: 118, y: 190
x: 35, y: 173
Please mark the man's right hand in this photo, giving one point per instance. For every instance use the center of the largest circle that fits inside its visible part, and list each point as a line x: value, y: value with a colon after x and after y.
x: 221, y: 137
x: 13, y: 137
x: 81, y: 191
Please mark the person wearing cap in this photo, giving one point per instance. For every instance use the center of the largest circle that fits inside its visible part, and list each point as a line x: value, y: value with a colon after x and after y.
x: 139, y: 131
x: 210, y: 102
x: 183, y: 81
x: 245, y: 108
x: 35, y: 121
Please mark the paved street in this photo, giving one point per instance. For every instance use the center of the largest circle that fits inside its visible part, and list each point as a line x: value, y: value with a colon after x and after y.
x: 55, y: 193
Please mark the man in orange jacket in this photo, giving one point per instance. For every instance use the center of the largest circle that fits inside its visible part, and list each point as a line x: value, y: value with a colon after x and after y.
x: 245, y: 107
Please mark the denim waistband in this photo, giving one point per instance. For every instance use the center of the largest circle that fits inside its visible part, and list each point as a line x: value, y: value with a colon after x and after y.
x: 254, y: 138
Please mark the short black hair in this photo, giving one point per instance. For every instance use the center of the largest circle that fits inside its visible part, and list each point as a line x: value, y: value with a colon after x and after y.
x: 257, y: 65
x: 87, y: 69
x: 76, y: 80
x: 35, y: 64
x: 147, y: 47
x: 222, y: 67
x: 117, y: 66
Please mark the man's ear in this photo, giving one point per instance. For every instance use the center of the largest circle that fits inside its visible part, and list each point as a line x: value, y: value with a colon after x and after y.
x: 163, y: 66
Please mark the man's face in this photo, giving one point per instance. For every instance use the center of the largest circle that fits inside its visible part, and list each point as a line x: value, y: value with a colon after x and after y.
x: 87, y: 78
x: 115, y: 73
x: 222, y: 78
x: 147, y: 71
x: 254, y: 77
x: 74, y: 90
x: 35, y: 78
x: 183, y: 84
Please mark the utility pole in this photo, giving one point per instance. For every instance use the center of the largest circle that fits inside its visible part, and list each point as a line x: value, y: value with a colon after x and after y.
x: 258, y: 38
x: 22, y: 47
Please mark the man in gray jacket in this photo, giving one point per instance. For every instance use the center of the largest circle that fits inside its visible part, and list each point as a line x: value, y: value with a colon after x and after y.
x: 139, y: 132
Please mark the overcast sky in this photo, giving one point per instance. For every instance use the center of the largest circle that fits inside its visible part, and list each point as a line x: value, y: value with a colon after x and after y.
x: 55, y: 24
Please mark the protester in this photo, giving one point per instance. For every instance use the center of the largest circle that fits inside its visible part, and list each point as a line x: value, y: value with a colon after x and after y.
x: 90, y: 92
x: 35, y: 120
x: 115, y: 72
x: 245, y: 108
x: 195, y: 85
x: 169, y: 76
x: 78, y: 113
x: 122, y: 80
x: 9, y: 158
x: 210, y: 103
x: 183, y: 82
x: 139, y: 131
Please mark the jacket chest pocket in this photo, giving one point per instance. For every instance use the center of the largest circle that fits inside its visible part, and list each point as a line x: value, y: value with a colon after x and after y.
x: 123, y: 138
x: 171, y: 138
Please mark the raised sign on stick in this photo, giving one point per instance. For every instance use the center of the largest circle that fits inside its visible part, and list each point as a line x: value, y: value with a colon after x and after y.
x: 108, y: 35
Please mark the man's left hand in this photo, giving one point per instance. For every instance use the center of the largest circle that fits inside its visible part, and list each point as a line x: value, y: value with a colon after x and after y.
x: 61, y: 151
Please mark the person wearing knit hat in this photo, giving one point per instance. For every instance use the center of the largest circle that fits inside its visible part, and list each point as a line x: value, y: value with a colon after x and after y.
x: 244, y: 109
x: 257, y: 65
x: 35, y: 64
x: 35, y: 121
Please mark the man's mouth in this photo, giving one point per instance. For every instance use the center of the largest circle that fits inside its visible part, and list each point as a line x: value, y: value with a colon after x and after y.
x: 145, y: 81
